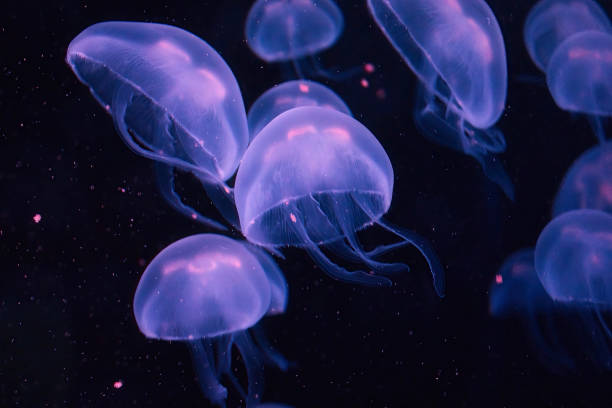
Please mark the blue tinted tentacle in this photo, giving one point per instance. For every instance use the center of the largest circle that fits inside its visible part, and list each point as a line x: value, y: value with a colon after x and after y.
x: 224, y: 353
x: 254, y: 367
x: 598, y: 128
x: 222, y: 197
x: 205, y: 371
x: 165, y: 180
x: 269, y: 353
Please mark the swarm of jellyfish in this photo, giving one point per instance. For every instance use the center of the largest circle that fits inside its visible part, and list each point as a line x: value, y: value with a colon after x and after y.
x: 309, y: 175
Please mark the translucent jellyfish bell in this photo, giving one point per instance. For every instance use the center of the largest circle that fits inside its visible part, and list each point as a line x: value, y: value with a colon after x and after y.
x: 550, y: 22
x: 588, y: 182
x: 172, y: 97
x: 456, y: 49
x: 289, y: 95
x: 579, y: 76
x: 207, y: 290
x: 314, y: 176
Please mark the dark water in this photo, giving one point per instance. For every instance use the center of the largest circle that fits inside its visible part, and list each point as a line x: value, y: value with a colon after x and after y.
x: 67, y: 329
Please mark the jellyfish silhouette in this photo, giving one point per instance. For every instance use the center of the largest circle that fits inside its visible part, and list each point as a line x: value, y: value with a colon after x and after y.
x: 456, y: 49
x: 289, y: 95
x: 550, y: 22
x: 588, y: 182
x: 207, y: 290
x: 315, y: 176
x: 579, y: 77
x: 173, y: 99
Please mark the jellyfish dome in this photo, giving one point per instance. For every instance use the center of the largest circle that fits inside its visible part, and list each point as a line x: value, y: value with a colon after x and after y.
x: 314, y: 176
x: 208, y: 290
x: 573, y: 257
x: 550, y: 22
x: 172, y: 97
x: 588, y: 182
x: 288, y: 95
x: 516, y: 288
x: 283, y: 30
x: 456, y: 49
x: 579, y: 74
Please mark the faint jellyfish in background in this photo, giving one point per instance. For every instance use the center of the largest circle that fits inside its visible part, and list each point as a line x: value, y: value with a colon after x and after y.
x: 295, y: 31
x: 588, y: 182
x: 289, y: 95
x: 456, y: 49
x: 550, y: 22
x: 173, y: 99
x: 314, y: 177
x: 579, y: 77
x: 207, y: 290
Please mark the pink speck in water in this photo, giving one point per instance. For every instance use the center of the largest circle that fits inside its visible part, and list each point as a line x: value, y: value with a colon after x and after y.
x: 364, y: 83
x: 499, y: 279
x: 117, y: 384
x: 37, y: 218
x: 369, y: 68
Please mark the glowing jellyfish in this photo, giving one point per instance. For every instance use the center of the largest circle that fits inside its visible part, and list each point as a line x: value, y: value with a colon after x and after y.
x: 456, y: 49
x: 588, y: 182
x: 550, y: 22
x: 288, y: 95
x: 579, y: 76
x: 173, y: 99
x: 314, y: 176
x: 207, y: 291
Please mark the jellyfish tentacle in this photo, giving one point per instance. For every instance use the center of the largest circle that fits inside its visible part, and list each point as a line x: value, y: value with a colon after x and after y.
x: 269, y: 353
x: 222, y: 197
x: 165, y: 181
x: 224, y: 353
x: 598, y: 128
x: 205, y: 371
x: 253, y: 365
x: 335, y: 271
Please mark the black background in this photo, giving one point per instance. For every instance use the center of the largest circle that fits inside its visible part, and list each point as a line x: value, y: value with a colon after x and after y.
x: 67, y: 329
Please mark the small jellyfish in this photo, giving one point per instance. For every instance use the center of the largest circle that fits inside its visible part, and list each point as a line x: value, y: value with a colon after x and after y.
x: 456, y: 49
x: 579, y: 76
x: 295, y: 31
x: 173, y: 99
x: 207, y: 290
x: 550, y: 22
x: 289, y: 95
x: 315, y: 176
x: 588, y: 182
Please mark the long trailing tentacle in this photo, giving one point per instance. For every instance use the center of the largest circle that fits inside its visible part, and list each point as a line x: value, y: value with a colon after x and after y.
x: 203, y: 363
x: 254, y: 367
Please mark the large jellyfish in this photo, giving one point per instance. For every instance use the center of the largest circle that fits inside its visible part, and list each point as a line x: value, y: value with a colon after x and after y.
x: 550, y: 22
x: 579, y: 76
x: 315, y: 176
x: 173, y: 99
x: 288, y: 95
x: 207, y: 290
x: 456, y: 49
x: 588, y: 182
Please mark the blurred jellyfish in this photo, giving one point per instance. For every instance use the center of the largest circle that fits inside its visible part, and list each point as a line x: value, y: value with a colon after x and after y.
x: 579, y: 76
x: 550, y: 22
x: 588, y: 182
x: 173, y: 99
x: 207, y: 290
x: 456, y: 49
x: 295, y: 31
x: 288, y: 95
x: 315, y: 176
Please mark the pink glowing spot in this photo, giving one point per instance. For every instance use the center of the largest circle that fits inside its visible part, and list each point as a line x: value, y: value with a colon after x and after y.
x: 300, y: 131
x: 37, y: 218
x: 107, y: 107
x: 286, y: 202
x: 454, y: 4
x: 499, y: 279
x: 481, y: 41
x: 227, y: 190
x: 117, y: 384
x: 194, y: 216
x: 212, y: 85
x: 339, y: 133
x: 283, y: 100
x: 293, y: 219
x: 304, y: 88
x: 369, y: 68
x: 170, y: 49
x: 364, y: 83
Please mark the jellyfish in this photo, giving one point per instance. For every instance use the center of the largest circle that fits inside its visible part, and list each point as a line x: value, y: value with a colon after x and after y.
x: 207, y: 291
x: 550, y: 22
x: 456, y: 49
x: 288, y: 95
x: 173, y: 99
x: 295, y: 31
x: 314, y: 177
x: 588, y: 182
x: 579, y: 77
